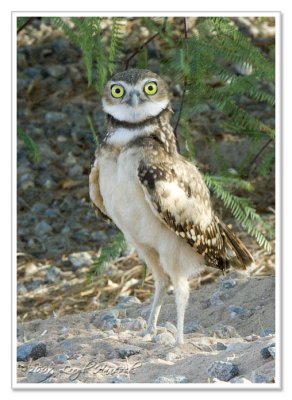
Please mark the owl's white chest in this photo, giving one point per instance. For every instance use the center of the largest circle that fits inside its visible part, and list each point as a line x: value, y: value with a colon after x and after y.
x: 123, y: 196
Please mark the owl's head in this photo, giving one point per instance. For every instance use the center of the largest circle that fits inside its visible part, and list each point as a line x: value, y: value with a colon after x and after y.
x: 135, y: 95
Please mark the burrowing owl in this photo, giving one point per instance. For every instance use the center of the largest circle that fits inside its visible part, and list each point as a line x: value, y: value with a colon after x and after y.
x: 156, y: 197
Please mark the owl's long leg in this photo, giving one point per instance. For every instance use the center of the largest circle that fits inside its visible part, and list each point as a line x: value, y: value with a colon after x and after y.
x: 161, y: 280
x: 181, y: 290
x: 161, y: 285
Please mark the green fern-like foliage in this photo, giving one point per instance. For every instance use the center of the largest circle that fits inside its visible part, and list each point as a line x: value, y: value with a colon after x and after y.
x: 99, y: 57
x: 21, y: 21
x: 240, y: 207
x: 30, y: 145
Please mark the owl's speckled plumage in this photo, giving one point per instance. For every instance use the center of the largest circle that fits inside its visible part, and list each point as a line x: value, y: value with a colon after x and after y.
x: 157, y: 198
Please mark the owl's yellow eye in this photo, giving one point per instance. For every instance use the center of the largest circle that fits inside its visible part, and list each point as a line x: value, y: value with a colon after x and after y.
x: 117, y: 91
x: 150, y: 88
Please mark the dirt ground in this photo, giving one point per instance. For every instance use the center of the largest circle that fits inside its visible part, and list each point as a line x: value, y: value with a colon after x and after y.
x: 84, y: 348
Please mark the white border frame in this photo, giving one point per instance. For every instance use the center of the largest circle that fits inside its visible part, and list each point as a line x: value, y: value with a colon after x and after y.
x: 279, y: 271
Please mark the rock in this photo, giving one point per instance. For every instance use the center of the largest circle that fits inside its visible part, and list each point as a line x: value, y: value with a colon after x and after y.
x: 221, y: 346
x: 33, y: 72
x: 38, y: 375
x: 26, y: 181
x: 129, y: 351
x: 267, y: 352
x: 238, y: 311
x: 164, y: 338
x: 237, y: 346
x: 38, y: 208
x: 260, y: 377
x: 109, y: 314
x: 127, y: 301
x: 60, y: 359
x: 193, y: 326
x: 56, y: 71
x: 267, y: 332
x: 172, y: 379
x: 42, y: 228
x: 215, y: 299
x: 53, y: 275
x: 81, y: 259
x: 223, y: 370
x: 60, y: 44
x: 21, y: 289
x: 225, y: 331
x: 52, y: 213
x: 133, y: 324
x: 34, y: 284
x: 75, y: 170
x: 99, y: 236
x: 52, y: 117
x: 227, y: 283
x: 107, y: 320
x: 32, y: 350
x: 272, y: 351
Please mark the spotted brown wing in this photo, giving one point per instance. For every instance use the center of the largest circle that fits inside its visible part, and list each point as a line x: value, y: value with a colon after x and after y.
x: 178, y: 195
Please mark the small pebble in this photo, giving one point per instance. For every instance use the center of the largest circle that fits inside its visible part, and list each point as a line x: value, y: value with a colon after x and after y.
x: 32, y: 350
x: 238, y: 311
x: 21, y: 289
x: 42, y: 228
x: 228, y: 283
x: 215, y: 299
x: 225, y: 331
x: 266, y: 352
x: 129, y: 351
x: 34, y: 284
x: 81, y: 259
x: 221, y: 346
x: 56, y: 71
x: 60, y: 358
x: 127, y: 301
x: 259, y: 377
x: 223, y: 370
x: 53, y: 275
x: 53, y: 117
x: 267, y: 332
x: 165, y: 338
x: 39, y: 375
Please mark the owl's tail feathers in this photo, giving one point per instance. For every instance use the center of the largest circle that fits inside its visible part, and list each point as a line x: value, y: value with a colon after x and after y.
x: 240, y: 257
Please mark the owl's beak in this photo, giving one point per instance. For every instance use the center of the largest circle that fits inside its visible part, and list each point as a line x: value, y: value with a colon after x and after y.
x: 133, y: 99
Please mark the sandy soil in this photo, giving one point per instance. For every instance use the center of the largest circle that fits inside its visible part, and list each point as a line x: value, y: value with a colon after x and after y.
x: 82, y: 347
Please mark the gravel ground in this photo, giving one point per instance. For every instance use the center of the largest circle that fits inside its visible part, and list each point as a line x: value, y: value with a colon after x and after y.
x: 225, y: 341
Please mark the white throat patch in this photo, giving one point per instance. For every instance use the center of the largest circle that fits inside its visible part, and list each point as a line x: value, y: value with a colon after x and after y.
x: 124, y: 112
x: 122, y: 136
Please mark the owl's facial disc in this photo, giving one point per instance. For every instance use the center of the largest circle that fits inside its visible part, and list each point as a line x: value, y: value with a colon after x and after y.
x: 134, y: 103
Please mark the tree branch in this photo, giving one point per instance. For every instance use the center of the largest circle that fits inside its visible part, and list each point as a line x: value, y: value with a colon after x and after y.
x: 127, y: 62
x: 184, y: 92
x: 256, y: 157
x: 25, y: 24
